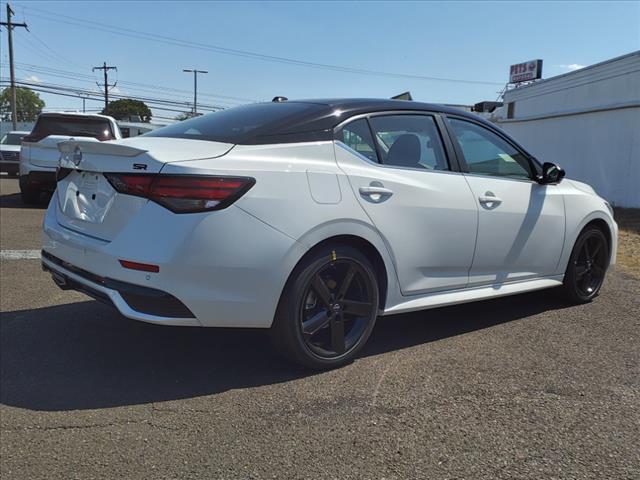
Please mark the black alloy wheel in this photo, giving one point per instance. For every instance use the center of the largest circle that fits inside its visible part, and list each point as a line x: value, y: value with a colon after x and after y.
x: 328, y: 308
x: 336, y: 308
x: 587, y: 266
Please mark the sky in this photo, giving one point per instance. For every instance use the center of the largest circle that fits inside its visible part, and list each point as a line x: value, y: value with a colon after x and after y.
x: 468, y: 41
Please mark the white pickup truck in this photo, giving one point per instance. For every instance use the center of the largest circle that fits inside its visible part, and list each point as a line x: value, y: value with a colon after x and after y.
x: 39, y: 152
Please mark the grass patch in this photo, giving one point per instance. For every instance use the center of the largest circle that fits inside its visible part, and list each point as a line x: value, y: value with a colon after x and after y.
x: 629, y: 240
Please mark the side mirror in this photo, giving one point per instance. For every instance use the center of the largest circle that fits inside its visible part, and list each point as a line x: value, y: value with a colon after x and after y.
x: 551, y: 173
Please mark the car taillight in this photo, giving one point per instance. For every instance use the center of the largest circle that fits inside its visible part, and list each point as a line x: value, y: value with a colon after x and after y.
x: 183, y: 193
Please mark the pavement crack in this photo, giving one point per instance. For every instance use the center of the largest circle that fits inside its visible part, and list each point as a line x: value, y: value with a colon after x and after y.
x: 376, y: 390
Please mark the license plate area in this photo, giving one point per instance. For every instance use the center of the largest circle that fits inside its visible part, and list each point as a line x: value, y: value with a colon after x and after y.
x: 85, y: 196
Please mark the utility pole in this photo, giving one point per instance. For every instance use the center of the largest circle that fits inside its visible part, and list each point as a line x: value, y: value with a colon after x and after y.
x: 14, y: 103
x: 84, y: 97
x: 195, y: 88
x: 105, y: 69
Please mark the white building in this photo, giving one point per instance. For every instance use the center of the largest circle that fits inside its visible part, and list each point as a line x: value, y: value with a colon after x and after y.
x: 133, y: 129
x: 587, y: 121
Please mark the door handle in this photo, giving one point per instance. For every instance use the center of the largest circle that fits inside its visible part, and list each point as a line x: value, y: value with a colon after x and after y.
x: 375, y: 191
x: 489, y: 197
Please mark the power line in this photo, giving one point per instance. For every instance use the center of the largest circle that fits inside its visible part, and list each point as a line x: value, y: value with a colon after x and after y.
x: 55, y: 53
x: 142, y: 86
x: 75, y: 95
x: 46, y: 50
x: 85, y: 23
x: 154, y: 103
x: 27, y: 44
x: 74, y: 89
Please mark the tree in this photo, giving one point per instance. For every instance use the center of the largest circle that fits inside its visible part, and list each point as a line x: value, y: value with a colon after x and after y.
x: 29, y: 104
x: 126, y: 107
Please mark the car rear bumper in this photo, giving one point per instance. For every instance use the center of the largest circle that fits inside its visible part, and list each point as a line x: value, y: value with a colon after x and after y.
x: 43, y: 180
x: 226, y: 269
x: 9, y: 166
x: 141, y: 303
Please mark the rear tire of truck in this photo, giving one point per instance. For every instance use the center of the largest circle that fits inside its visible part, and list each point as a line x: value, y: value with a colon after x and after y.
x: 30, y: 195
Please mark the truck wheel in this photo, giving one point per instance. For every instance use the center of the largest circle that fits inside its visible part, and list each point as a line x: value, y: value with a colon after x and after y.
x: 30, y: 195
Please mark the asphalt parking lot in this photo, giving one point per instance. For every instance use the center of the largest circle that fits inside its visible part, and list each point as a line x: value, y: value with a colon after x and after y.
x: 521, y: 387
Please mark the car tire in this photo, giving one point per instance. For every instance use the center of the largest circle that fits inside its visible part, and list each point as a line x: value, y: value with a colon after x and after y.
x: 29, y: 195
x: 328, y: 308
x: 587, y: 266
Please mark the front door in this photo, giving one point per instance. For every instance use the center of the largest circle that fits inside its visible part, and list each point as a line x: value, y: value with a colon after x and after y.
x: 521, y: 223
x: 424, y: 211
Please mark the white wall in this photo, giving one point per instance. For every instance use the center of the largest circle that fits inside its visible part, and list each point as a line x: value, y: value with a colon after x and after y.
x: 601, y: 149
x: 587, y: 121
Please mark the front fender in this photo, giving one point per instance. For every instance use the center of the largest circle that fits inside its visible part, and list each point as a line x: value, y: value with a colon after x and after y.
x: 581, y: 209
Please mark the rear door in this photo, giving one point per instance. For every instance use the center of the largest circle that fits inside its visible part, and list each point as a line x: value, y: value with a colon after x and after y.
x: 400, y: 172
x: 521, y: 223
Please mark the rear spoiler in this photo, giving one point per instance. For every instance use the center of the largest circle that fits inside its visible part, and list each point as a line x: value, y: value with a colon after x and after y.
x: 78, y: 147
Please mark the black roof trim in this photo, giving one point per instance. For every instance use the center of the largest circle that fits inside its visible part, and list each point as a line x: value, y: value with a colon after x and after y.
x: 316, y: 123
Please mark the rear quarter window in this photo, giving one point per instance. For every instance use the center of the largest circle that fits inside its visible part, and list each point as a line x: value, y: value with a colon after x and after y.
x: 236, y: 125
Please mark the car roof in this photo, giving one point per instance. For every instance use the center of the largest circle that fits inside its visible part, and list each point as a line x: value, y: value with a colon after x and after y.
x: 76, y: 114
x: 369, y: 104
x: 292, y: 121
x: 338, y: 110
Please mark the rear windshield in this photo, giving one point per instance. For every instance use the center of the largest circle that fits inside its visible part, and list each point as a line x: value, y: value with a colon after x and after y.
x: 12, y: 139
x: 71, y: 126
x: 236, y: 125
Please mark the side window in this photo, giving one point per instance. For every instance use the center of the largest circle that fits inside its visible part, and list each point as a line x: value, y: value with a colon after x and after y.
x: 357, y: 136
x: 410, y: 141
x: 488, y: 154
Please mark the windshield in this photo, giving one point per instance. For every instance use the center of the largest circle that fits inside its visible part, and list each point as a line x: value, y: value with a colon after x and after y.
x: 234, y: 124
x: 12, y: 139
x: 71, y: 126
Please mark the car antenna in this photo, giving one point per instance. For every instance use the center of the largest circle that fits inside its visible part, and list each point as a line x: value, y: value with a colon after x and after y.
x: 279, y: 99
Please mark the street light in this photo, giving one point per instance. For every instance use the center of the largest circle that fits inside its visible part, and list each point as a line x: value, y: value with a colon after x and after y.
x: 84, y: 97
x: 195, y: 88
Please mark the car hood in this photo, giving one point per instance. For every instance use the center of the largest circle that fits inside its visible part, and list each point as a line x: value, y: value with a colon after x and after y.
x: 10, y: 148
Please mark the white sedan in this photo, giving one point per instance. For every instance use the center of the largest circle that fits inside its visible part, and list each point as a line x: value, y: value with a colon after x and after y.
x: 312, y: 218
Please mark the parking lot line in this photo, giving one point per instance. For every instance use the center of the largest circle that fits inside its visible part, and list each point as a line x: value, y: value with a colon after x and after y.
x: 19, y: 254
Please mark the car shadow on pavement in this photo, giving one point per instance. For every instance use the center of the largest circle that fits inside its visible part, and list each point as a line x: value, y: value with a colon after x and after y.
x: 86, y: 356
x: 13, y: 200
